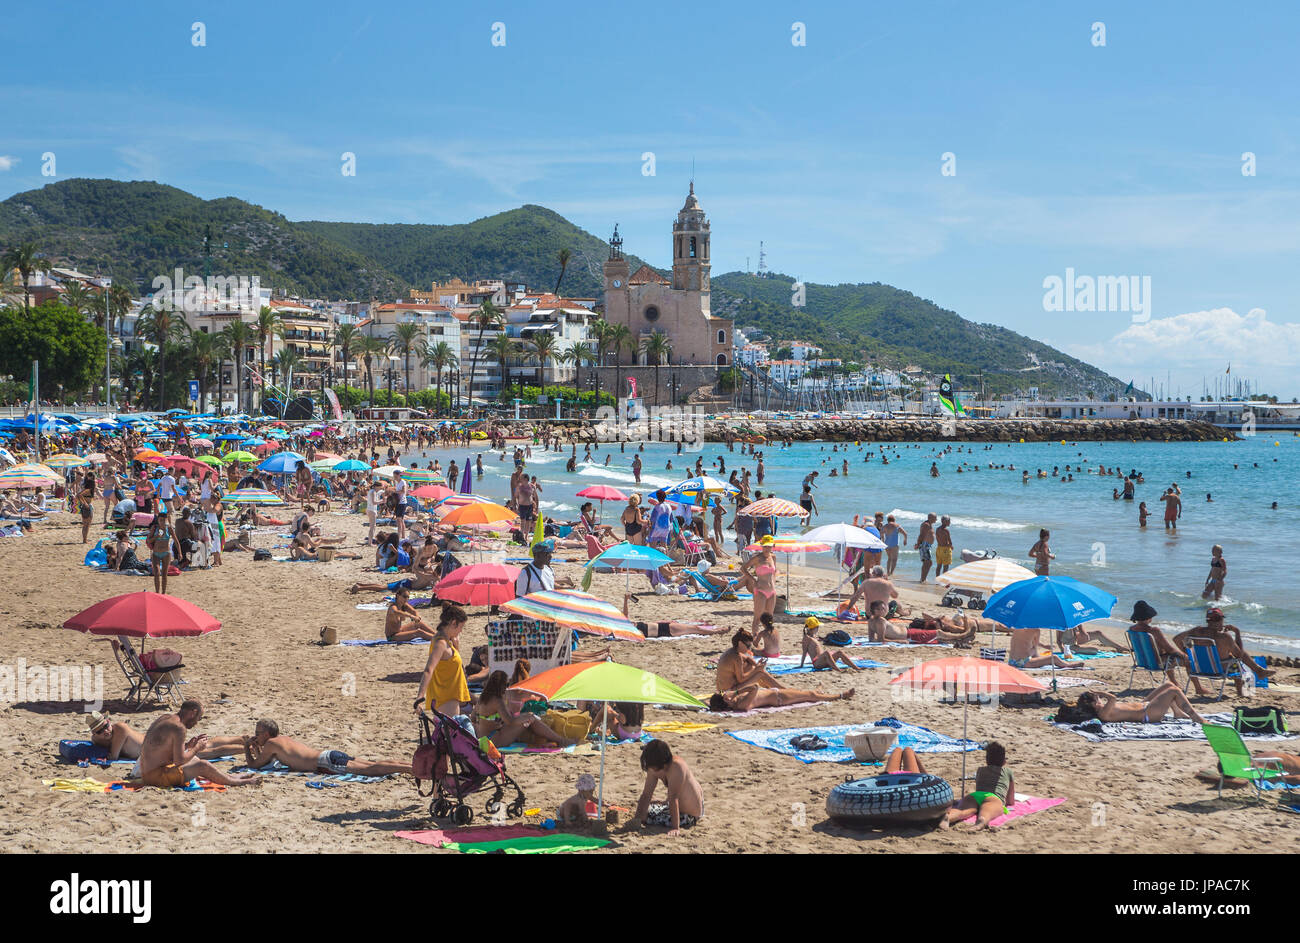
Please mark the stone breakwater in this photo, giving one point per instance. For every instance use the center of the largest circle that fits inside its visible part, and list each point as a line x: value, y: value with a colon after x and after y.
x: 901, y: 430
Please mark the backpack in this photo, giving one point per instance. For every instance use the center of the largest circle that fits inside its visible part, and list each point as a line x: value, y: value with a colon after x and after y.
x: 1259, y: 720
x: 261, y: 554
x: 808, y: 741
x: 839, y: 637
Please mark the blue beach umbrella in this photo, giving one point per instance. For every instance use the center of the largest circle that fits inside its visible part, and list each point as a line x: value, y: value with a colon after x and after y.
x: 1048, y: 602
x: 351, y: 464
x: 626, y: 556
x: 282, y: 463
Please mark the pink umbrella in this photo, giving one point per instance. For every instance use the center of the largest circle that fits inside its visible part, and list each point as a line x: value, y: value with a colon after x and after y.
x: 602, y: 493
x: 144, y: 615
x: 480, y: 584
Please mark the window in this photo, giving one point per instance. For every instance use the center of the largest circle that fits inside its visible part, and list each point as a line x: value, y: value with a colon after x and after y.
x: 722, y: 337
x: 652, y: 313
x: 692, y: 247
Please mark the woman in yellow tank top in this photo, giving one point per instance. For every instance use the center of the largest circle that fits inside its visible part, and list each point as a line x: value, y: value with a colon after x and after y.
x: 442, y: 686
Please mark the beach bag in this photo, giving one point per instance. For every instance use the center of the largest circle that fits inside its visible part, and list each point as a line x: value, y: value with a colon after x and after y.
x: 261, y: 554
x: 572, y: 725
x: 160, y: 659
x: 808, y: 741
x: 839, y: 638
x: 1259, y: 720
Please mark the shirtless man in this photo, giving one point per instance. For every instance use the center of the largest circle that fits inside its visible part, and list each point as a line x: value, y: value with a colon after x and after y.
x: 1023, y: 652
x: 685, y: 804
x: 875, y: 589
x: 1227, y: 639
x: 943, y: 547
x: 924, y: 541
x: 167, y: 759
x: 880, y: 629
x: 737, y: 666
x: 402, y: 623
x: 267, y: 745
x: 1173, y: 509
x: 124, y: 742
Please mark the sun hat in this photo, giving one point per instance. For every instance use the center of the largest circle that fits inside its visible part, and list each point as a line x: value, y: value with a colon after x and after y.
x: 767, y: 540
x: 96, y: 721
x: 811, y: 622
x: 586, y: 782
x: 1142, y: 610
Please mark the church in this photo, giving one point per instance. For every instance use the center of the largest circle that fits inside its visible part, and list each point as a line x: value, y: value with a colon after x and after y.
x: 646, y: 302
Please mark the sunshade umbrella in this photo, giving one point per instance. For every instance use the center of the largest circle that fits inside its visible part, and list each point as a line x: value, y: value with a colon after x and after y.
x: 466, y: 482
x: 213, y: 460
x: 240, y: 456
x: 627, y: 556
x: 703, y: 484
x: 1048, y: 602
x: 845, y: 535
x: 789, y: 545
x: 28, y: 476
x: 386, y: 471
x: 481, y: 512
x: 986, y: 576
x: 266, y: 448
x: 252, y: 496
x: 602, y: 493
x: 479, y: 584
x: 66, y: 460
x: 432, y: 492
x: 350, y: 465
x: 203, y: 441
x: 323, y: 465
x: 144, y: 615
x: 421, y: 476
x: 7, y: 456
x: 147, y: 455
x: 606, y: 681
x: 282, y: 463
x: 94, y: 458
x: 229, y: 437
x: 973, y: 676
x: 581, y: 612
x: 773, y: 507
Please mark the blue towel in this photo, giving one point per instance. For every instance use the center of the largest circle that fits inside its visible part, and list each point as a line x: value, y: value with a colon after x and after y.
x: 372, y: 642
x: 920, y: 739
x: 278, y: 769
x: 795, y: 669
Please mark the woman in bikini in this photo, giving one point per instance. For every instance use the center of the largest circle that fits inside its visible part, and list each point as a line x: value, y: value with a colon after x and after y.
x: 159, y: 542
x: 1218, y: 573
x: 633, y: 520
x: 761, y: 568
x: 767, y: 640
x: 749, y: 697
x: 1107, y: 708
x: 494, y: 719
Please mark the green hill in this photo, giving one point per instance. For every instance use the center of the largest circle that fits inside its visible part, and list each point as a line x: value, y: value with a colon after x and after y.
x: 520, y: 245
x: 138, y: 230
x: 893, y: 328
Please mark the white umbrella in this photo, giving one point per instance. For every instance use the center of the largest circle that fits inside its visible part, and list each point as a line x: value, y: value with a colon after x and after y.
x: 845, y: 535
x: 987, y: 576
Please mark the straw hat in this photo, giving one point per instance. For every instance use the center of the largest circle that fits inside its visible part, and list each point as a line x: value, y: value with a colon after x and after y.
x: 97, y: 721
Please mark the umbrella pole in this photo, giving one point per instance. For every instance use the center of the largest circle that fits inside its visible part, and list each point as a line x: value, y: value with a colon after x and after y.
x: 965, y: 712
x: 604, y: 726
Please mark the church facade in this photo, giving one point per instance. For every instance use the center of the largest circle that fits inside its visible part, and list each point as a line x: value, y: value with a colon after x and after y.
x: 646, y: 302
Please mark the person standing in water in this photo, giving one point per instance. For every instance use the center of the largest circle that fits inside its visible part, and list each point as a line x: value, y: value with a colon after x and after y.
x: 1041, y: 553
x: 1218, y: 573
x: 1173, y: 509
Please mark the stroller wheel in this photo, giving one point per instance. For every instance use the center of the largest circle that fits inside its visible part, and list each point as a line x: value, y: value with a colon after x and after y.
x: 515, y: 810
x: 493, y: 807
x: 441, y: 808
x: 464, y: 815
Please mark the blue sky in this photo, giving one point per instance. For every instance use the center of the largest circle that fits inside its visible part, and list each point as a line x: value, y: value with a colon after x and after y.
x: 1117, y: 160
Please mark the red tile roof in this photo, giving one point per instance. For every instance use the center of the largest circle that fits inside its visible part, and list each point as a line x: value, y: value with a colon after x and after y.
x: 645, y: 274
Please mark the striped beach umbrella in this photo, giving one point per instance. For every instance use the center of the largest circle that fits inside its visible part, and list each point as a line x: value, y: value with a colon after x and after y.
x: 29, y: 476
x: 985, y: 576
x: 252, y: 496
x: 66, y: 460
x: 773, y: 507
x: 421, y: 476
x: 581, y: 612
x: 790, y: 545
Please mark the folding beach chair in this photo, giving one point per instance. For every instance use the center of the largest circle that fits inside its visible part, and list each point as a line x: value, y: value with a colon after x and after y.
x: 1146, y: 657
x: 145, y: 685
x: 1203, y: 662
x: 714, y: 592
x: 594, y: 549
x: 1235, y: 759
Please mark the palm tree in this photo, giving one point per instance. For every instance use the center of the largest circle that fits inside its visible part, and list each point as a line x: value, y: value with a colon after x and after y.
x: 656, y: 348
x: 370, y: 348
x: 620, y: 337
x: 578, y: 354
x: 82, y: 300
x: 502, y: 347
x: 565, y: 255
x: 440, y: 357
x: 405, y: 338
x: 207, y: 350
x: 119, y: 303
x: 486, y: 316
x: 543, y: 349
x: 284, y: 363
x: 143, y: 362
x: 345, y: 338
x: 239, y: 336
x: 162, y: 325
x: 24, y: 258
x: 603, y: 332
x: 268, y: 325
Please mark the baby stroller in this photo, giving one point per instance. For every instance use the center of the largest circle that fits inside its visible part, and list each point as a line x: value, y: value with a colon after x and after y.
x: 450, y: 758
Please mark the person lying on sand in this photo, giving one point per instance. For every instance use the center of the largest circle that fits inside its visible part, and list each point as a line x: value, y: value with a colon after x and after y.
x: 925, y: 630
x: 670, y: 629
x: 751, y: 697
x: 814, y: 651
x: 994, y: 794
x: 1107, y: 708
x: 685, y: 805
x: 268, y: 745
x: 1023, y: 652
x: 167, y: 759
x: 123, y: 742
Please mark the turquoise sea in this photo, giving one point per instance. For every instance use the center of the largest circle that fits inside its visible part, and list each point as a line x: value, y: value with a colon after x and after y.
x: 1095, y: 538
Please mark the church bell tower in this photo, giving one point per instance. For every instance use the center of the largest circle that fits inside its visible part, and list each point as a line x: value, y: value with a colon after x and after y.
x: 691, y: 247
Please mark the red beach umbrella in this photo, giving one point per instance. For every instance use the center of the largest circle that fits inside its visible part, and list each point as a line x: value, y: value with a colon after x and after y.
x: 480, y: 584
x: 144, y: 615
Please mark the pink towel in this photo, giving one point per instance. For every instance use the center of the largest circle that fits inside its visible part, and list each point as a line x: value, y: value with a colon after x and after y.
x: 473, y: 833
x: 1025, y: 805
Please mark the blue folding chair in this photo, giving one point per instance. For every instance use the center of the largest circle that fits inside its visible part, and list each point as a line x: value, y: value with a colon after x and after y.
x: 714, y: 592
x: 1204, y: 662
x: 1147, y: 658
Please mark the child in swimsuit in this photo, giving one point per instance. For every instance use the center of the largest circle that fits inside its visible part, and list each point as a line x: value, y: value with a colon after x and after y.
x: 995, y: 791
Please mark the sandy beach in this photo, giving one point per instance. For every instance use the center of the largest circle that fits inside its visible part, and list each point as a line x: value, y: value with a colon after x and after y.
x: 265, y: 662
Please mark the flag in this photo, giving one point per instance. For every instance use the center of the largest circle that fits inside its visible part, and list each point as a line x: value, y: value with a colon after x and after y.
x: 1128, y: 390
x: 334, y: 403
x: 1229, y: 370
x: 948, y: 399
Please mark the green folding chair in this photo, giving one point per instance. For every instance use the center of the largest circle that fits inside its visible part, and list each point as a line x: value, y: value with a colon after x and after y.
x: 1235, y: 759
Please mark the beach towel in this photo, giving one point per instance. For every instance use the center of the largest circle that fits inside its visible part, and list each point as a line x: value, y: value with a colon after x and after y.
x: 88, y: 784
x: 469, y: 834
x: 756, y: 710
x: 676, y: 726
x: 920, y: 739
x: 1171, y: 729
x: 372, y: 642
x: 549, y: 843
x: 708, y: 597
x: 278, y: 769
x: 864, y: 641
x: 789, y: 665
x: 1025, y: 805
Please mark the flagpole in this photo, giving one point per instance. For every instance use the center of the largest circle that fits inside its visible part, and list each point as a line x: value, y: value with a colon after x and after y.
x: 36, y: 405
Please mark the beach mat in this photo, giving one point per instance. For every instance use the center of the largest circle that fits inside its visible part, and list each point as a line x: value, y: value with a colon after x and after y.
x: 551, y: 843
x: 789, y: 665
x: 373, y: 642
x: 89, y: 784
x: 472, y: 833
x: 676, y: 726
x: 1025, y: 805
x: 920, y: 739
x: 277, y: 769
x: 1172, y: 730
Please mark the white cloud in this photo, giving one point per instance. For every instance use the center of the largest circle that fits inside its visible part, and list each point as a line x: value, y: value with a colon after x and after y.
x: 1200, y: 345
x: 8, y: 162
